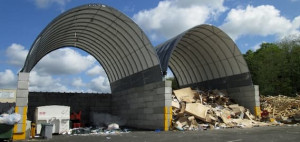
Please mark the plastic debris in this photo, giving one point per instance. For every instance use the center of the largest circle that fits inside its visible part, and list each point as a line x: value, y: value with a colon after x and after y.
x: 111, y: 129
x: 113, y: 126
x: 10, y: 119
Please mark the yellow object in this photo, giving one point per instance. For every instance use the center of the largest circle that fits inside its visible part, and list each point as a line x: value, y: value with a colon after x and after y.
x: 257, y: 111
x: 167, y: 118
x: 272, y: 120
x: 32, y: 132
x: 20, y: 135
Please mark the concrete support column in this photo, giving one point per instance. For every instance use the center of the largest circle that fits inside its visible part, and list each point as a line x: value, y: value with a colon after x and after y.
x: 21, y: 105
x: 247, y: 96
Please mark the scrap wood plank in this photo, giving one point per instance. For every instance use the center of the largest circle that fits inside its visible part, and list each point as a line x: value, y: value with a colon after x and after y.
x: 185, y: 95
x: 197, y: 109
x: 249, y: 115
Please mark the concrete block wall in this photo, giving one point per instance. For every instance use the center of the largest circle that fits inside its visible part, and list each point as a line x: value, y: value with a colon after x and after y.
x: 85, y: 102
x: 21, y: 105
x: 247, y: 96
x: 145, y: 107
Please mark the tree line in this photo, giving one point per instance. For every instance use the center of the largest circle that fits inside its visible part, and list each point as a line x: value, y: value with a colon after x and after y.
x: 275, y: 67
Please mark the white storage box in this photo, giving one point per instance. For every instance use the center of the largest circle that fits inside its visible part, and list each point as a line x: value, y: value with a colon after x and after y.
x: 57, y: 115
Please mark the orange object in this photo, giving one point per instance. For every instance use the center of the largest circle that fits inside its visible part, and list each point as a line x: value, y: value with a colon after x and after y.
x: 32, y: 132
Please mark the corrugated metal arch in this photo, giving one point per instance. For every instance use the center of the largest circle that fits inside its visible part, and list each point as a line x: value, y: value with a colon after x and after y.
x: 116, y: 42
x: 204, y: 55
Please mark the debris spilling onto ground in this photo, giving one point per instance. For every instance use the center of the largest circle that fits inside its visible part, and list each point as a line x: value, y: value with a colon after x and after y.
x: 110, y: 129
x: 194, y: 110
x: 282, y: 108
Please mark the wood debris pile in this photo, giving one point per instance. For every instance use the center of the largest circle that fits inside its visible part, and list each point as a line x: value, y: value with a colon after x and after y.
x: 194, y: 110
x: 282, y: 108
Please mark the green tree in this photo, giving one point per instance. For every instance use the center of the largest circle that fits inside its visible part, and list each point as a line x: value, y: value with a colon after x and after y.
x: 291, y: 45
x: 275, y: 67
x: 267, y: 61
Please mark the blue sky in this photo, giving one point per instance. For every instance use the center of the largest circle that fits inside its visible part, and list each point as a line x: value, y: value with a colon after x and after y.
x: 247, y: 22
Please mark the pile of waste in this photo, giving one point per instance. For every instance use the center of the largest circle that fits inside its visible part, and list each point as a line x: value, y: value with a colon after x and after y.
x: 282, y: 108
x: 110, y: 129
x: 195, y: 109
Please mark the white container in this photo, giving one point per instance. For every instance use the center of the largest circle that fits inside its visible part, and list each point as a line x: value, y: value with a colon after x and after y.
x: 57, y: 115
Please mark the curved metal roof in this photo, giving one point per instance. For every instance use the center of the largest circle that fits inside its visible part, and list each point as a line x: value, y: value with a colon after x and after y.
x: 116, y: 42
x: 201, y: 54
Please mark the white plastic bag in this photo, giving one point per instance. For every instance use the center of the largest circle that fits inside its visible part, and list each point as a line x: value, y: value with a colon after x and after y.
x: 113, y: 126
x: 10, y: 119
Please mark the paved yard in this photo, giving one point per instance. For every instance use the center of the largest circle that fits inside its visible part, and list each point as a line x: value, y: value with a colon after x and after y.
x: 288, y: 133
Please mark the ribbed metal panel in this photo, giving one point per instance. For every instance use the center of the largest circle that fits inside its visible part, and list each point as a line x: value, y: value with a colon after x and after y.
x: 202, y: 54
x: 116, y: 42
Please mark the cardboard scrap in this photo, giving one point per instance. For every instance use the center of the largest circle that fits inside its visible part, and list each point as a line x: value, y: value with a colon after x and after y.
x: 226, y: 116
x: 182, y: 107
x: 236, y: 109
x: 185, y: 95
x: 175, y: 104
x: 197, y: 109
x: 245, y: 123
x: 193, y: 110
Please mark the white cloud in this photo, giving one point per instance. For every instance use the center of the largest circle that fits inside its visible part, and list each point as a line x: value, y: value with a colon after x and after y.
x: 262, y: 20
x: 96, y: 70
x: 65, y: 61
x: 8, y: 80
x: 39, y: 82
x: 77, y: 82
x: 47, y: 3
x: 172, y: 17
x: 44, y: 82
x: 257, y: 46
x: 16, y: 54
x: 61, y: 61
x: 100, y: 84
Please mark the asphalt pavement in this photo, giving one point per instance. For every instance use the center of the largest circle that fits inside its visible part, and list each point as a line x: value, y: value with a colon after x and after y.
x: 287, y: 133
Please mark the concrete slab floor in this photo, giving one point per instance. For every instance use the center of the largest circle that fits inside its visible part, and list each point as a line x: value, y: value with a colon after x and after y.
x: 287, y: 133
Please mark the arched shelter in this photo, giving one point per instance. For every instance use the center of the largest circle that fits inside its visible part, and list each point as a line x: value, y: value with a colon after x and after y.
x: 117, y: 43
x: 204, y: 56
x: 123, y: 50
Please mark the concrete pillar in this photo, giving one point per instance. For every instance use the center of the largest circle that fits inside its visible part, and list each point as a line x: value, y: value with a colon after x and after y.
x: 21, y: 105
x: 247, y: 96
x: 257, y: 109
